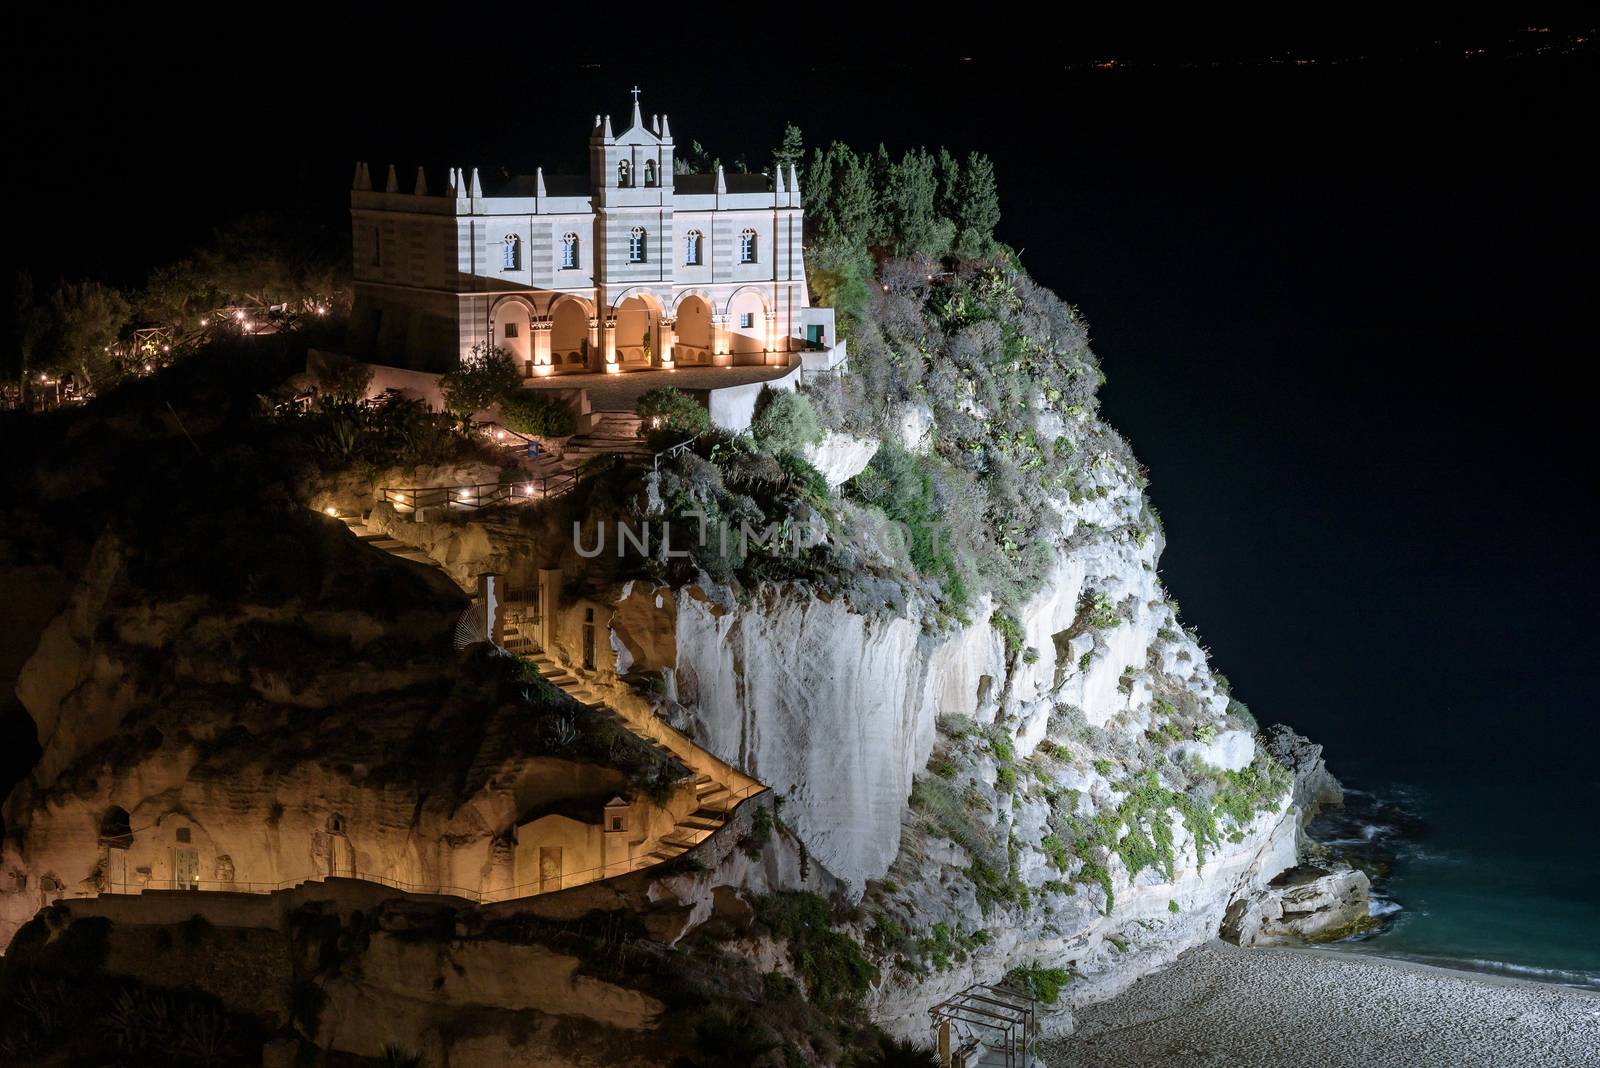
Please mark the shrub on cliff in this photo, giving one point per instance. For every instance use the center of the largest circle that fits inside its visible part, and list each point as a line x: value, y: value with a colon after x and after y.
x: 537, y: 414
x: 787, y: 422
x: 837, y: 973
x: 671, y: 416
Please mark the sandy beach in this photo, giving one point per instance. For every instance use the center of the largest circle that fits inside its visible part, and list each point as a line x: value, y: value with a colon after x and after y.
x: 1221, y: 1005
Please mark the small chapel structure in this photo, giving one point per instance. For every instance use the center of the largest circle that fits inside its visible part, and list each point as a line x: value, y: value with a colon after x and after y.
x: 632, y: 266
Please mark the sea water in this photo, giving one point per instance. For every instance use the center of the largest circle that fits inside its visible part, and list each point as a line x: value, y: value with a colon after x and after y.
x: 1464, y: 878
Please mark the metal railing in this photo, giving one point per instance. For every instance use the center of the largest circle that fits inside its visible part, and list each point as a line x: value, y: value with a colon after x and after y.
x: 669, y: 453
x: 532, y: 888
x: 470, y: 498
x: 986, y: 1025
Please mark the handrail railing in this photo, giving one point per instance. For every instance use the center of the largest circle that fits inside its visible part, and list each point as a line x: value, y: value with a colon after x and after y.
x: 533, y: 888
x: 671, y: 451
x: 472, y: 497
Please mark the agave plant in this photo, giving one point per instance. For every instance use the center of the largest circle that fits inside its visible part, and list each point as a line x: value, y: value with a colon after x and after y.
x: 902, y: 1053
x: 399, y: 1057
x: 203, y: 1036
x: 138, y: 1020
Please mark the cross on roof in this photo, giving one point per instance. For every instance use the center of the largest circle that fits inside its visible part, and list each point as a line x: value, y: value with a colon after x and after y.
x: 635, y: 91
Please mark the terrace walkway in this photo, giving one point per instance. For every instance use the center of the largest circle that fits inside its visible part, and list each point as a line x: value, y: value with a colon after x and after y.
x: 621, y: 392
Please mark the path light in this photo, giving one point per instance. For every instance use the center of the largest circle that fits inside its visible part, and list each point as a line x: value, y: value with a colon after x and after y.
x: 240, y: 314
x: 500, y: 435
x: 205, y: 322
x: 331, y: 510
x: 148, y: 368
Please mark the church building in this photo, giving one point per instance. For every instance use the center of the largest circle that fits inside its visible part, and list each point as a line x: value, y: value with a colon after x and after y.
x: 631, y: 266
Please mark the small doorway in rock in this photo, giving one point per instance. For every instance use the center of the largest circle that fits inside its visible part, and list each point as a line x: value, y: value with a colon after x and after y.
x: 186, y: 868
x: 588, y: 639
x: 549, y: 868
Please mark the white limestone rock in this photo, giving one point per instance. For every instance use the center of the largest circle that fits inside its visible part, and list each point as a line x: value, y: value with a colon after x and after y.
x: 1302, y: 904
x: 841, y: 457
x: 1229, y: 750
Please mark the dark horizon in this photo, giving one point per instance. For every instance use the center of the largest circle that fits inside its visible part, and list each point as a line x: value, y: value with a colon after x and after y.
x: 1344, y: 310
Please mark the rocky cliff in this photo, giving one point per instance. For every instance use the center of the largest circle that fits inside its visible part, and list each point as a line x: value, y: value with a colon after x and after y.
x: 1015, y: 763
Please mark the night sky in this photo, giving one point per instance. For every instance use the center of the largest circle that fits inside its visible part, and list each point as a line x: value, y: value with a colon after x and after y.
x: 1345, y: 307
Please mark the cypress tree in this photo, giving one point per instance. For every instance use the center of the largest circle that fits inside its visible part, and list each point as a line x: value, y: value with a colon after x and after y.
x: 979, y: 209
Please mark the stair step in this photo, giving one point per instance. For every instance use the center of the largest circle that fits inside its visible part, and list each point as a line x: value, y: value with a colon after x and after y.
x: 666, y: 850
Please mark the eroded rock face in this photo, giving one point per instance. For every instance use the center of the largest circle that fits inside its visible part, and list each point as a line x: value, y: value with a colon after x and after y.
x: 955, y: 783
x: 262, y: 741
x: 1314, y: 785
x: 1303, y: 904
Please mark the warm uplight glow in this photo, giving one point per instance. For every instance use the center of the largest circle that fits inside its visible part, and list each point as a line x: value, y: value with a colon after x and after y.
x: 239, y: 315
x: 331, y: 510
x: 205, y: 322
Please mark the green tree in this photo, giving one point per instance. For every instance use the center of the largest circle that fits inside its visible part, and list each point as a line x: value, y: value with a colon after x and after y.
x: 486, y: 376
x: 694, y: 158
x: 947, y: 197
x: 912, y: 195
x: 816, y: 195
x: 978, y: 208
x: 176, y: 296
x: 856, y: 211
x: 267, y: 259
x: 344, y: 380
x: 792, y: 149
x: 89, y: 319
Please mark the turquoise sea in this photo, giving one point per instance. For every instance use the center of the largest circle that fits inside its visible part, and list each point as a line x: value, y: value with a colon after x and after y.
x: 1464, y: 880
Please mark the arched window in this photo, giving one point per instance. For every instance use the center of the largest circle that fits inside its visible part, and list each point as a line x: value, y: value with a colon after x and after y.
x: 747, y: 247
x: 622, y: 174
x: 569, y: 251
x: 649, y: 172
x: 511, y: 254
x: 691, y: 248
x: 636, y: 245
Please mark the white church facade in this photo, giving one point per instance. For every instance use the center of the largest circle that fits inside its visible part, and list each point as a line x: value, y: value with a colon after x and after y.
x: 629, y: 267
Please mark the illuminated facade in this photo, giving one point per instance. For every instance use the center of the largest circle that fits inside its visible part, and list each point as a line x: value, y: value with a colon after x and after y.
x: 632, y: 266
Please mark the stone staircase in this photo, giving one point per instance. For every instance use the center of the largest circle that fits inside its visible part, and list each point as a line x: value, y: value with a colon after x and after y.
x: 710, y: 813
x: 712, y: 799
x: 392, y: 546
x: 610, y: 433
x: 615, y: 424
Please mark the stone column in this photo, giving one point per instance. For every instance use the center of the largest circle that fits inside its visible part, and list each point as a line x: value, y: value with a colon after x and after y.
x: 610, y: 347
x: 771, y: 343
x: 543, y: 331
x: 720, y: 343
x: 667, y: 340
x: 596, y: 359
